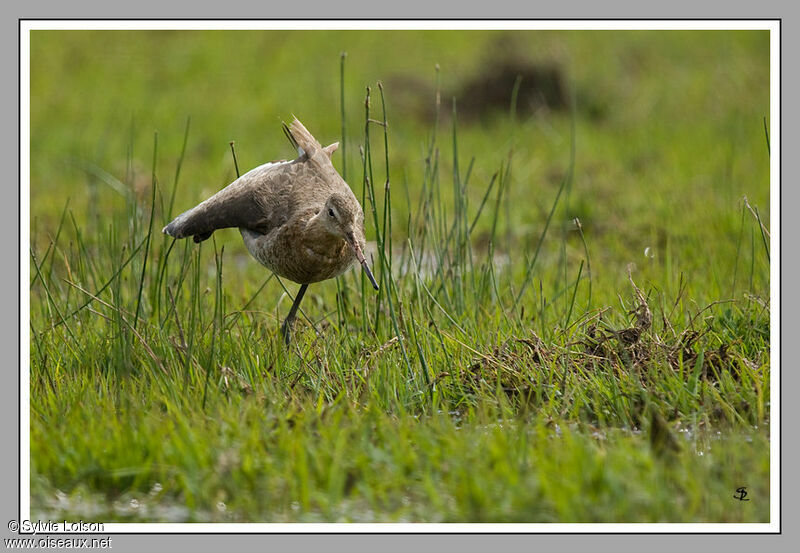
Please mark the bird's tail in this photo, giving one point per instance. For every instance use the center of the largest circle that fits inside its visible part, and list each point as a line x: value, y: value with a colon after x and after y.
x: 301, y: 139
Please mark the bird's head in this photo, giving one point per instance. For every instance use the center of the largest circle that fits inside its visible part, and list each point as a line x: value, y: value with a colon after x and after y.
x: 342, y: 216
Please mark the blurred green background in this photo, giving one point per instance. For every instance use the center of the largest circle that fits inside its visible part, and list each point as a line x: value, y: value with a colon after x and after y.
x: 668, y: 125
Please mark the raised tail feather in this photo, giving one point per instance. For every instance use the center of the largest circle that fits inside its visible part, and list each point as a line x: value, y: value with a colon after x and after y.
x: 302, y: 139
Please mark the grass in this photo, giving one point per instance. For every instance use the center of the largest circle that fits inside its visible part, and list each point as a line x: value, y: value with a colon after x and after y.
x: 573, y: 320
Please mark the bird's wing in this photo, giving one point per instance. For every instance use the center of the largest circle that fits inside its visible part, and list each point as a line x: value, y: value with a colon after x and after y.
x: 258, y: 200
x: 268, y: 196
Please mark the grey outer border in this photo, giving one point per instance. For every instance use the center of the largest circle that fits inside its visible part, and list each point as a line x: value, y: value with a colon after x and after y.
x: 9, y: 226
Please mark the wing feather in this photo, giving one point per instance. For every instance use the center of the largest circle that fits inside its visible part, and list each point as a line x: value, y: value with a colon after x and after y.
x: 253, y: 201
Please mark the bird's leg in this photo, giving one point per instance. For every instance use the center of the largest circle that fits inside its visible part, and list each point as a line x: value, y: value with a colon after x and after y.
x: 288, y: 323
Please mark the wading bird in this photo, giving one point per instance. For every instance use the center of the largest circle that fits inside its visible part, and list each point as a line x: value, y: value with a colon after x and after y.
x: 297, y: 218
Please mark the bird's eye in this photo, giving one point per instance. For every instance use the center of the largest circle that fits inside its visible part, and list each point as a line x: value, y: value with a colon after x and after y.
x: 330, y: 213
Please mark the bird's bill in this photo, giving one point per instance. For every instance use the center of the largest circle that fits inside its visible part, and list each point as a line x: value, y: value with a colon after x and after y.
x: 363, y: 261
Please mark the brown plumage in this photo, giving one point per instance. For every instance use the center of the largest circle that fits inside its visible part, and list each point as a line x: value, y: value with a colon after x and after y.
x: 297, y: 218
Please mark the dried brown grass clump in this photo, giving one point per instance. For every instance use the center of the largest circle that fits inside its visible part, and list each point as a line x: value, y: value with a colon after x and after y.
x: 520, y: 364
